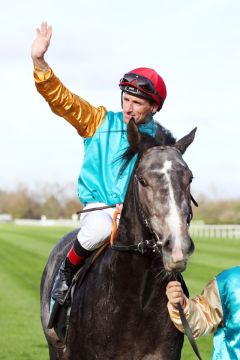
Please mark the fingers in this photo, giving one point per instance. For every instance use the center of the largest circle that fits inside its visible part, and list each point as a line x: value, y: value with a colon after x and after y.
x: 174, y: 292
x: 44, y: 27
x: 45, y: 30
x: 173, y: 284
x: 49, y: 32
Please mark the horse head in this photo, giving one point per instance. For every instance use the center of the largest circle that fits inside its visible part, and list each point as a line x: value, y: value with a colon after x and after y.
x: 161, y: 183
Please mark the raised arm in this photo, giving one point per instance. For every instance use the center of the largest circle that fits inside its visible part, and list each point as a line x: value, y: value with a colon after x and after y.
x: 79, y: 113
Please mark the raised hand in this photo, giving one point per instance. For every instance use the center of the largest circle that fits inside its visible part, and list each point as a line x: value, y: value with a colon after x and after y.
x: 40, y: 44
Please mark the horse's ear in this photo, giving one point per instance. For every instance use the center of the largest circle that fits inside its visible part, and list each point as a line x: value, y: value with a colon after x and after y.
x: 134, y: 136
x: 184, y: 142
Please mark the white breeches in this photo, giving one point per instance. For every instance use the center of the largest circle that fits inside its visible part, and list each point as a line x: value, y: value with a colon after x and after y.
x: 96, y: 226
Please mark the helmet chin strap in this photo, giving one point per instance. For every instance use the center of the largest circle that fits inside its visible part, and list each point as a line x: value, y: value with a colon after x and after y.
x: 122, y: 99
x: 153, y: 112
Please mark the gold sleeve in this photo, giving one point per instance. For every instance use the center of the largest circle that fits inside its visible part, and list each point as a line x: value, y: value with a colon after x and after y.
x: 203, y: 313
x: 78, y: 112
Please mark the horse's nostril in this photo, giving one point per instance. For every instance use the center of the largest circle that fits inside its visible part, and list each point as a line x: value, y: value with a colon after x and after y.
x: 167, y: 244
x: 191, y: 247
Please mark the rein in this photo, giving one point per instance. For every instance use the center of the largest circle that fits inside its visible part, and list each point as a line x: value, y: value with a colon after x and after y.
x: 95, y: 209
x: 188, y: 331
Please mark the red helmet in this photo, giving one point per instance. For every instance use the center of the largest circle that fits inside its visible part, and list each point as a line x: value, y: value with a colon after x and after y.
x: 146, y: 83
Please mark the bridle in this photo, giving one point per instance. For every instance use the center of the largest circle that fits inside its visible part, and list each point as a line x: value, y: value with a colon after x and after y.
x: 154, y: 244
x: 150, y: 246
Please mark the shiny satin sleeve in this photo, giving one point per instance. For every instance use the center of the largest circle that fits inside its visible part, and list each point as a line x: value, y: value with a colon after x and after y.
x: 78, y: 112
x: 203, y: 313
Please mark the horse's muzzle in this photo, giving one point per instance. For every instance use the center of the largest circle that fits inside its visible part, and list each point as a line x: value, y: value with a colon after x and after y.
x: 178, y: 266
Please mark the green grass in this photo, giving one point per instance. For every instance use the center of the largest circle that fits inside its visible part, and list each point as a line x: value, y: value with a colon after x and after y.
x: 23, y: 254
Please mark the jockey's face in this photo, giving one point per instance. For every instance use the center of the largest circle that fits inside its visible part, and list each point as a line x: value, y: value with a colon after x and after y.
x: 138, y: 108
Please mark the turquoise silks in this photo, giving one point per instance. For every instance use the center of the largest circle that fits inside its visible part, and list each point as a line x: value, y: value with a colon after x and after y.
x: 226, y: 343
x: 99, y: 179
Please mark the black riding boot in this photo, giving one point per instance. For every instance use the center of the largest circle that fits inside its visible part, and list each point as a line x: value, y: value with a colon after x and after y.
x: 63, y: 280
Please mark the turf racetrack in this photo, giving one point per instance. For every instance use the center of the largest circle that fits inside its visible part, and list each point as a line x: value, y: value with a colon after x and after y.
x: 23, y: 254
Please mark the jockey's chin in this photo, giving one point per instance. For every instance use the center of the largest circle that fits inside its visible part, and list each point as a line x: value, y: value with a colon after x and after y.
x: 127, y: 118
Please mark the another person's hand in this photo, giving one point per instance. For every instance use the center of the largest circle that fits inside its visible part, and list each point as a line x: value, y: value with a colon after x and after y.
x: 174, y: 293
x: 40, y: 44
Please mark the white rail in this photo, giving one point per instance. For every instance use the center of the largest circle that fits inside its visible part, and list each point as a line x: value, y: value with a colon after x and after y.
x: 215, y: 231
x: 44, y: 221
x: 201, y: 230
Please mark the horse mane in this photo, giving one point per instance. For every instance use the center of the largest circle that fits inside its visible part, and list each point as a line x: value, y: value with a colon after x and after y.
x: 163, y: 137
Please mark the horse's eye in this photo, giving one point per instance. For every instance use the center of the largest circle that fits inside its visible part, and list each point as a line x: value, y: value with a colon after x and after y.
x: 142, y: 181
x: 189, y: 217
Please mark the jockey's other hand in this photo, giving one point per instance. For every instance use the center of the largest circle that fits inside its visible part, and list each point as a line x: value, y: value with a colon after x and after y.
x: 119, y: 208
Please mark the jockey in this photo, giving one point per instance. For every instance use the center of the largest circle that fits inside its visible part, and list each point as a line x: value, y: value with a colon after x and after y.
x: 216, y: 310
x: 105, y: 139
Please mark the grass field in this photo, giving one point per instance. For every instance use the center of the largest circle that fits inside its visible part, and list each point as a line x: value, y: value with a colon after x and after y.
x: 23, y: 254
